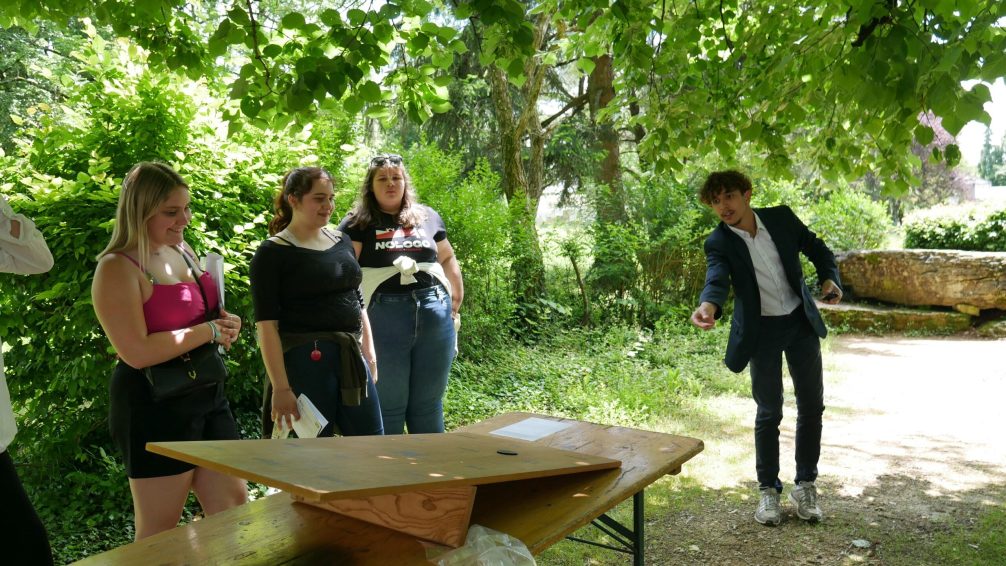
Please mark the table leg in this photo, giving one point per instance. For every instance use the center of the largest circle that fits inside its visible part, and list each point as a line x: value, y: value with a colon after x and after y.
x: 637, y: 526
x: 631, y: 540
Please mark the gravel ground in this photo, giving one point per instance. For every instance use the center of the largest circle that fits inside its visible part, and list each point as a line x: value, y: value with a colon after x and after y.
x: 913, y: 447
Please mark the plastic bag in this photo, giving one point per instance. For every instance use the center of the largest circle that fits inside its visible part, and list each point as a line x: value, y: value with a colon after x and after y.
x: 486, y: 547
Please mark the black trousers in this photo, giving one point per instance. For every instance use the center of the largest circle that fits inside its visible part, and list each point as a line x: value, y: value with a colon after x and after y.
x: 792, y: 336
x: 22, y: 535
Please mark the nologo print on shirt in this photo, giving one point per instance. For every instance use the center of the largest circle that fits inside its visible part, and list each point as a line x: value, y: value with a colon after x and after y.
x: 402, y: 239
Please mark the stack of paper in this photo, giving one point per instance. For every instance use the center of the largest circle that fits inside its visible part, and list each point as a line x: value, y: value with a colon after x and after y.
x: 215, y: 267
x: 310, y: 423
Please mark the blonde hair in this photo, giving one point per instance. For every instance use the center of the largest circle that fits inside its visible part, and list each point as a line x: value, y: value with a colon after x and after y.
x: 146, y: 186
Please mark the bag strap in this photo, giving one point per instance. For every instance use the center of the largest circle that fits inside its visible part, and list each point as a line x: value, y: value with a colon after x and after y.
x: 199, y: 283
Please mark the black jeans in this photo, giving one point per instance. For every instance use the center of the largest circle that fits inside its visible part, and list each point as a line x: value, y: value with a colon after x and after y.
x: 22, y: 535
x: 793, y: 336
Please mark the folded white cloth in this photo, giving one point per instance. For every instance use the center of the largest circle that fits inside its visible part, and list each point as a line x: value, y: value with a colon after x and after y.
x: 407, y: 267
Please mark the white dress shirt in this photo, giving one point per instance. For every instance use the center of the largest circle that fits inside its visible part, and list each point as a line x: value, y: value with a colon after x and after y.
x: 777, y: 297
x: 26, y: 254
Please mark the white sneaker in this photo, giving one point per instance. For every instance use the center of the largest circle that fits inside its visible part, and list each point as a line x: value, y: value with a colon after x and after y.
x: 804, y: 496
x: 768, y: 507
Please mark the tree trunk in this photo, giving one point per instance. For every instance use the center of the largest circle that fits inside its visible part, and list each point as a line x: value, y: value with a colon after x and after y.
x: 528, y: 267
x: 600, y: 92
x: 614, y: 270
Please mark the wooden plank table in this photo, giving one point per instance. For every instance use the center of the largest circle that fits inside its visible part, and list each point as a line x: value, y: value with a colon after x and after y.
x: 560, y: 508
x: 424, y: 485
x: 323, y: 469
x: 539, y: 512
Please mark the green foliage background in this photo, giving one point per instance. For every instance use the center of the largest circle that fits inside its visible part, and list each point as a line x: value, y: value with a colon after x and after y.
x: 628, y: 360
x: 65, y: 173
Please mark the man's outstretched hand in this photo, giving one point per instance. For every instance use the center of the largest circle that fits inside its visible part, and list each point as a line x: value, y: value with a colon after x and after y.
x: 704, y: 317
x: 832, y: 292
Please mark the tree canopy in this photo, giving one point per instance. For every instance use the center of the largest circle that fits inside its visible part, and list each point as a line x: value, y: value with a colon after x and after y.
x: 851, y: 78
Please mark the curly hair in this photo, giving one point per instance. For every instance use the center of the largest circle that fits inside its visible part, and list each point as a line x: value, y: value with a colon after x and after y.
x: 719, y: 182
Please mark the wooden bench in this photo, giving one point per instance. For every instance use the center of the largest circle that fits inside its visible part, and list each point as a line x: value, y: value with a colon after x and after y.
x: 539, y: 512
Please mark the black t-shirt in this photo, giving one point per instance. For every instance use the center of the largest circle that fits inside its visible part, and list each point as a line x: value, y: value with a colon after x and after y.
x: 307, y: 290
x: 384, y: 240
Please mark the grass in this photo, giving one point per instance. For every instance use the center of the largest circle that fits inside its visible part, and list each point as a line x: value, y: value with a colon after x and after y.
x: 972, y: 541
x: 985, y: 543
x: 669, y: 380
x: 672, y: 380
x: 620, y: 375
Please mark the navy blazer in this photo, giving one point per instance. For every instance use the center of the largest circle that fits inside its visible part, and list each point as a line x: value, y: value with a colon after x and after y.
x: 728, y: 262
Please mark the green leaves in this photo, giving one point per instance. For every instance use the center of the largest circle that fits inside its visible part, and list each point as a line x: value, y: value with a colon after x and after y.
x: 331, y: 18
x: 952, y: 153
x: 370, y: 92
x: 298, y: 99
x: 923, y: 134
x: 781, y: 73
x: 250, y: 106
x: 294, y: 20
x: 353, y: 104
x: 356, y: 17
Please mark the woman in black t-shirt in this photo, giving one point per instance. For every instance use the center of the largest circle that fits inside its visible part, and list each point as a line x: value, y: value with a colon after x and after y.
x: 413, y: 289
x: 313, y: 331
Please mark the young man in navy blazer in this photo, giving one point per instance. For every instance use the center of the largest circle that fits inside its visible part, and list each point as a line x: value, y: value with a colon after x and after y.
x: 757, y: 252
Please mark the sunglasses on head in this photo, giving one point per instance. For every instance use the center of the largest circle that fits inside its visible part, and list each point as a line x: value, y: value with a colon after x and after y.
x: 390, y: 158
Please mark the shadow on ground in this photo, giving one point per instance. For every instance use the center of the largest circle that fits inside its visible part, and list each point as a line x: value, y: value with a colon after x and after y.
x: 913, y: 468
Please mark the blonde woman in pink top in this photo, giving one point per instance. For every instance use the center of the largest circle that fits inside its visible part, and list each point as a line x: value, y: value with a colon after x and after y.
x: 149, y: 298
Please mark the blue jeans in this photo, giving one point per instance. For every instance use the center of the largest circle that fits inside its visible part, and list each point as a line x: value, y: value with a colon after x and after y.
x: 793, y: 336
x: 319, y: 380
x: 414, y: 338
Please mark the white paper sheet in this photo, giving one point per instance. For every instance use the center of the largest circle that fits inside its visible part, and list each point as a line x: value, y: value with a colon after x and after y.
x: 531, y: 428
x: 311, y: 421
x: 215, y: 267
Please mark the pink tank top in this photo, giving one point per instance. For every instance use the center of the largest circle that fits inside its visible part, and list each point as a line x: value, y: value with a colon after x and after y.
x: 179, y: 305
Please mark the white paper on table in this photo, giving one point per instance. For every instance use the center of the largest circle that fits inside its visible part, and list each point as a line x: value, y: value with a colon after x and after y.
x: 215, y: 267
x: 531, y: 428
x: 311, y: 420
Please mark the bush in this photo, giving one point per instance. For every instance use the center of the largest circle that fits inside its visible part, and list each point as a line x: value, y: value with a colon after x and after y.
x: 960, y: 228
x: 990, y: 234
x: 850, y: 220
x: 667, y: 225
x: 475, y: 214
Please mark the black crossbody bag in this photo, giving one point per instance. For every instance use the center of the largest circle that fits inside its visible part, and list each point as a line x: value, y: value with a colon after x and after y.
x: 196, y: 369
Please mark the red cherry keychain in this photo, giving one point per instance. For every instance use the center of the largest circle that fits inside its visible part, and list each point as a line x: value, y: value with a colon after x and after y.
x: 316, y: 353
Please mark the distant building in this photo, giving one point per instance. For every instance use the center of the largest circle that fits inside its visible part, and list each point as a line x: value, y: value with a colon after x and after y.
x: 982, y: 190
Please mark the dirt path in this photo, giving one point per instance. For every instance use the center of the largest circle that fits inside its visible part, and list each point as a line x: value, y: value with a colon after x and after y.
x: 913, y: 448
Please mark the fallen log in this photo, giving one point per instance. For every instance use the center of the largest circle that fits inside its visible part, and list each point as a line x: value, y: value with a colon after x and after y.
x: 966, y: 281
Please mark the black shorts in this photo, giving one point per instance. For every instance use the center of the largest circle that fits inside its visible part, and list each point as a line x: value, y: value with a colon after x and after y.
x: 134, y: 419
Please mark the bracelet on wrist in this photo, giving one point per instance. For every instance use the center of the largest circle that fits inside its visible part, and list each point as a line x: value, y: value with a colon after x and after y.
x: 214, y: 330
